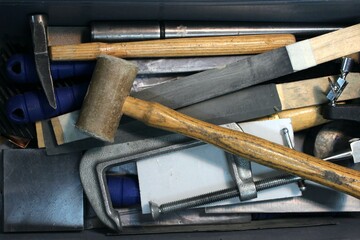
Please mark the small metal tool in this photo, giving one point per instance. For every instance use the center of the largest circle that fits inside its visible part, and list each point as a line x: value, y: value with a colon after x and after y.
x: 338, y: 87
x: 354, y: 152
x: 38, y: 25
x: 335, y: 111
x: 285, y: 133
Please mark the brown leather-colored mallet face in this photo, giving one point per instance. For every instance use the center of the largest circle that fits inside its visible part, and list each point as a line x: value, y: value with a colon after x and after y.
x: 110, y: 85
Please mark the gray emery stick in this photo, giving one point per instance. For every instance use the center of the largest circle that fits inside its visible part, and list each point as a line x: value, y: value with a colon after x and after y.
x: 237, y: 106
x: 270, y: 98
x: 255, y: 69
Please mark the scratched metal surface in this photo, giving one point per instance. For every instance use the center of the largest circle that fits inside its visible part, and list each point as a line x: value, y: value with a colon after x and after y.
x: 41, y: 193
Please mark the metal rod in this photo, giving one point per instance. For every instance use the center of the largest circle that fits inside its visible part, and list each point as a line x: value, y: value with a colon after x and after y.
x: 145, y: 30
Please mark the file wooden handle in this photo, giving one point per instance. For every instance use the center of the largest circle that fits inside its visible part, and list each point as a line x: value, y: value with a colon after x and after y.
x: 181, y: 47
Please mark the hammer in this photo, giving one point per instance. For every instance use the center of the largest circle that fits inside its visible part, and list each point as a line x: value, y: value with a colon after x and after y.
x: 38, y: 26
x: 108, y: 98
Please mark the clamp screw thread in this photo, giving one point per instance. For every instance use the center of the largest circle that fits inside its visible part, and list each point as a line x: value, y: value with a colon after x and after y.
x: 216, y: 196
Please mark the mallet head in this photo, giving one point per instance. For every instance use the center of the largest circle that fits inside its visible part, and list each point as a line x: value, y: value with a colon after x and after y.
x: 110, y: 85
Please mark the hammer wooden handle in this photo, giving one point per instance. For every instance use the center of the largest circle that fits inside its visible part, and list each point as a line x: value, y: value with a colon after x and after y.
x: 181, y: 47
x: 247, y: 146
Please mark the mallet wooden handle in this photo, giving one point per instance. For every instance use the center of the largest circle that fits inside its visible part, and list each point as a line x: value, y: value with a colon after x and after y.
x: 247, y: 146
x: 181, y: 47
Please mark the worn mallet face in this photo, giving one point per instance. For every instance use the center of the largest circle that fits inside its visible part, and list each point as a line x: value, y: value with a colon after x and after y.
x: 110, y: 84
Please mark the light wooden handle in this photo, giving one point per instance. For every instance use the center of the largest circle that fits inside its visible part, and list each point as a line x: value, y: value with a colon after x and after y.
x: 247, y: 146
x: 334, y: 44
x: 301, y: 118
x: 181, y: 47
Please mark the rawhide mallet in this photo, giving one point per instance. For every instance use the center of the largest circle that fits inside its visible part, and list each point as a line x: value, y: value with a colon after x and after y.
x: 108, y: 98
x: 110, y: 84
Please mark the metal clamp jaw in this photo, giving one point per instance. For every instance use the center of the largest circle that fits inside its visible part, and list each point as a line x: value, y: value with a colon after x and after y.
x: 241, y: 172
x: 97, y: 161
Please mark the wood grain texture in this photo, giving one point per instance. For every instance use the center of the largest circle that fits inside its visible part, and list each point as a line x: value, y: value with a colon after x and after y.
x: 336, y: 44
x: 301, y: 118
x: 247, y: 146
x: 39, y: 135
x: 313, y: 91
x: 181, y: 47
x: 58, y: 131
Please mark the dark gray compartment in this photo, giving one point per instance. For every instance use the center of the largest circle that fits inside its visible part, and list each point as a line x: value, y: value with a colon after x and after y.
x: 13, y: 17
x: 14, y: 25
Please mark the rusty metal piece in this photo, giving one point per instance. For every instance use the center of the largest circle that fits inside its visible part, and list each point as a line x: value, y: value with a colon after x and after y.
x: 19, y: 141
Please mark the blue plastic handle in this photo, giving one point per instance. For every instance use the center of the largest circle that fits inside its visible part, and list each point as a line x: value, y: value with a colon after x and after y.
x: 124, y: 190
x: 21, y: 68
x: 33, y: 106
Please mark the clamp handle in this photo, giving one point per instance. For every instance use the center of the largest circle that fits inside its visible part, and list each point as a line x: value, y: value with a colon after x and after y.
x: 20, y: 68
x: 33, y: 106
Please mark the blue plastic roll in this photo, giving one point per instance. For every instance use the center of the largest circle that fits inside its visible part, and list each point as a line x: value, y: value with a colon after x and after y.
x: 124, y: 190
x: 33, y: 106
x: 21, y: 68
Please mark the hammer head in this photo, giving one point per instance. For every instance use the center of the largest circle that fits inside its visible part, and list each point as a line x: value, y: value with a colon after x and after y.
x: 110, y: 85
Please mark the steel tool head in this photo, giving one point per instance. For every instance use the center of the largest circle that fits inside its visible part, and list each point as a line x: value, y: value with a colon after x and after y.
x: 38, y: 25
x: 102, y: 107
